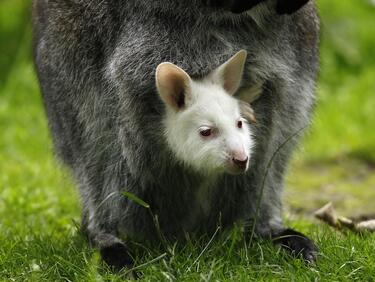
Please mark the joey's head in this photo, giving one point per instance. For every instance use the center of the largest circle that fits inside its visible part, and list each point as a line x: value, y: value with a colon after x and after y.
x: 204, y: 126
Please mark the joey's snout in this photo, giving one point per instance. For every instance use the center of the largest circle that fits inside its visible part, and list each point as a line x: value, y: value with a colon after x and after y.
x: 241, y: 163
x: 238, y: 163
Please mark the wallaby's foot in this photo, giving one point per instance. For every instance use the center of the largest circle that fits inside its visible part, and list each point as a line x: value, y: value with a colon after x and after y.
x: 116, y: 256
x: 113, y: 251
x: 297, y: 244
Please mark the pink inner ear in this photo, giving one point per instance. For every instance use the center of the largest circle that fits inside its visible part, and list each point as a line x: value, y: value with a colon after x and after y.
x: 231, y: 81
x: 178, y: 92
x: 230, y: 85
x: 232, y: 72
x: 172, y: 85
x: 180, y: 99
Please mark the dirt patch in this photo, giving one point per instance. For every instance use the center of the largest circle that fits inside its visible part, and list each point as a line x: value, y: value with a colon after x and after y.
x: 349, y: 183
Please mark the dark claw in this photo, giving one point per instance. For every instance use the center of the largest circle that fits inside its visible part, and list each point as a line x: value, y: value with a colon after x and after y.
x: 297, y: 244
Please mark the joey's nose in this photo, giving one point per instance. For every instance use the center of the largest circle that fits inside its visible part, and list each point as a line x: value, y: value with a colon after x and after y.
x: 240, y: 162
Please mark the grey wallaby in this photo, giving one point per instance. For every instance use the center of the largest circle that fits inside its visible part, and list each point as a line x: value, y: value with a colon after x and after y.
x: 96, y: 63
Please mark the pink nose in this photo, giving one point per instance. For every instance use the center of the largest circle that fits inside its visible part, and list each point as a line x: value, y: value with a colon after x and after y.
x: 240, y: 160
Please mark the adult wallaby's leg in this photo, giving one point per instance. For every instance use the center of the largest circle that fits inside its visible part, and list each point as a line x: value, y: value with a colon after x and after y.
x: 280, y: 125
x: 112, y: 249
x: 69, y: 56
x: 265, y: 180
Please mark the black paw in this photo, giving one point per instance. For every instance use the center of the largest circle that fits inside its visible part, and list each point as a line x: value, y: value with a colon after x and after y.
x: 116, y: 256
x: 297, y: 244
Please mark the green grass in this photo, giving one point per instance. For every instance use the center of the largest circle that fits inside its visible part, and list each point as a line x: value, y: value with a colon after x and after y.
x: 64, y: 255
x: 39, y: 205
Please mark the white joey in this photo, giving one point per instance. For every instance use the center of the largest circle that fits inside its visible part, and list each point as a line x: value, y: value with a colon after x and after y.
x: 205, y: 126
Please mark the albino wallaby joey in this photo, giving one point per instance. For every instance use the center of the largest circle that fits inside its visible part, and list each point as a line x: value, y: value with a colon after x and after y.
x: 188, y: 145
x: 204, y: 126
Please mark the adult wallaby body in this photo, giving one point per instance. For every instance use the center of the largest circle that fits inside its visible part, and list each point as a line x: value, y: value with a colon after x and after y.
x: 96, y: 64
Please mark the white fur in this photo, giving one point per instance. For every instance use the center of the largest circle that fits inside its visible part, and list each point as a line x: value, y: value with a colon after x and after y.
x: 208, y: 104
x: 211, y: 106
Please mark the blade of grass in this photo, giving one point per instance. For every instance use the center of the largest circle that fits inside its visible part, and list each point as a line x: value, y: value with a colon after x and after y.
x: 135, y: 199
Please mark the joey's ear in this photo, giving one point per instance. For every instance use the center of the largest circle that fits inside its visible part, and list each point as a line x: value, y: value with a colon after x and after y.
x: 230, y: 73
x: 173, y: 85
x: 247, y: 112
x: 289, y: 6
x: 251, y: 93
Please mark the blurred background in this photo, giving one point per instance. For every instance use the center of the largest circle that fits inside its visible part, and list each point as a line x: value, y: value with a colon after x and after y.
x: 336, y: 161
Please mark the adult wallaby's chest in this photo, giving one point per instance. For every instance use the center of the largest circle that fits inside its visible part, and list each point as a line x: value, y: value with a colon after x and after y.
x: 196, y: 50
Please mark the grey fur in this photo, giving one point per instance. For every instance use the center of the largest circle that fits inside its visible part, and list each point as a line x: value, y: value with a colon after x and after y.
x: 96, y: 62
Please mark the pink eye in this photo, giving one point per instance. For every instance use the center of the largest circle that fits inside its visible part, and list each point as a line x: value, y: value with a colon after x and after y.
x: 205, y: 132
x: 239, y: 124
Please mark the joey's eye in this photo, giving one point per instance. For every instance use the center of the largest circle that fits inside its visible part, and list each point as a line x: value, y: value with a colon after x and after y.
x: 205, y: 131
x: 239, y: 124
